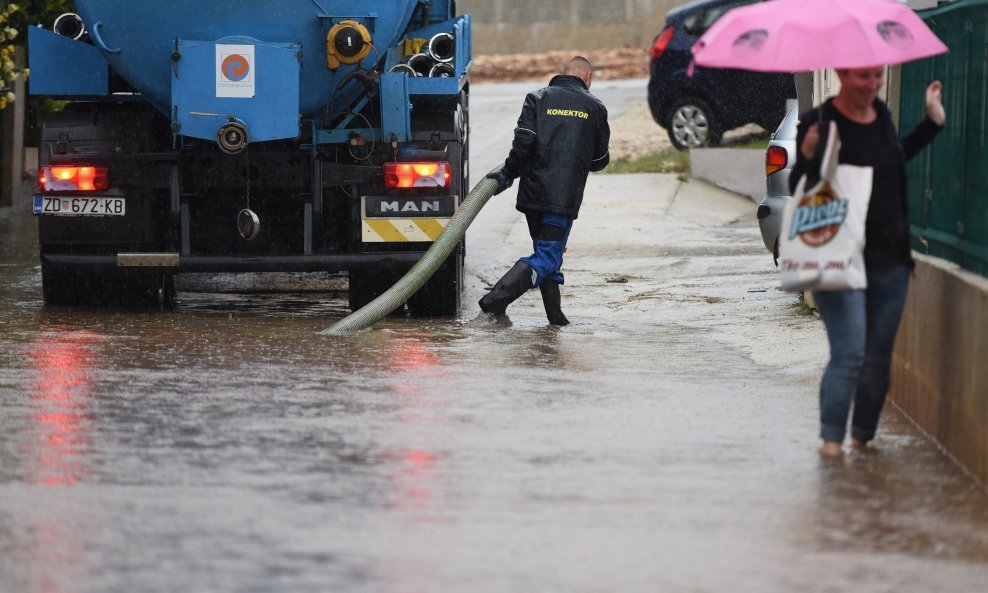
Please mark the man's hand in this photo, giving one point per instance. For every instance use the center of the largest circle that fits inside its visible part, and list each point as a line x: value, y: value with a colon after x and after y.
x: 503, y: 182
x: 934, y: 103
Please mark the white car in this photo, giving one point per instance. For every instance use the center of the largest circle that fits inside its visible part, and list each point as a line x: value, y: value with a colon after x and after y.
x: 780, y: 156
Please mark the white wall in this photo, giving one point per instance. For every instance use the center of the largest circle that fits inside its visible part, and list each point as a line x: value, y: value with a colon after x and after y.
x: 527, y: 26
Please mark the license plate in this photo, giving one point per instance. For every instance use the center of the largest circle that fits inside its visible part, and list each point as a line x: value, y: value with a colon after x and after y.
x: 79, y: 206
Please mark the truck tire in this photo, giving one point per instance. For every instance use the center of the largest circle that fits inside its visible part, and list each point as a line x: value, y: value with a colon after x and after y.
x: 441, y: 296
x: 143, y: 290
x: 367, y: 285
x: 139, y: 290
x: 60, y: 290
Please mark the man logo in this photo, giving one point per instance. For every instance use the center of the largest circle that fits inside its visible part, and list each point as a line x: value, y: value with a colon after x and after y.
x: 409, y: 206
x: 418, y: 207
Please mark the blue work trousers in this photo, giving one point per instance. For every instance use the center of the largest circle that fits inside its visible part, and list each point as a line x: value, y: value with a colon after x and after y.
x: 549, y: 233
x: 861, y: 327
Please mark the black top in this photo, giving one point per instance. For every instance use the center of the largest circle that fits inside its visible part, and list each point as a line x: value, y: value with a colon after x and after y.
x: 562, y: 135
x: 875, y: 145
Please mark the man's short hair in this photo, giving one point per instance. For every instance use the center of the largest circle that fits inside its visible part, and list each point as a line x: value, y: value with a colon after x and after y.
x: 578, y: 66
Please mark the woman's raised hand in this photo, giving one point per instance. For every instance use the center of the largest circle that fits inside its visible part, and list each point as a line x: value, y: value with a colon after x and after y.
x: 934, y: 103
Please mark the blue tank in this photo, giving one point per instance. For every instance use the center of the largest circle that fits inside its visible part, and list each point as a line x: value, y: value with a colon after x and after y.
x: 250, y: 136
x: 145, y: 34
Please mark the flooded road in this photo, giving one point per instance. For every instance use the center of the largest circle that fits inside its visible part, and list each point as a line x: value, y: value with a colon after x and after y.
x: 665, y: 441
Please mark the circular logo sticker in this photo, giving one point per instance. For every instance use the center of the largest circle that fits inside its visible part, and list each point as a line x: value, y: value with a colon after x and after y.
x: 818, y: 217
x: 235, y: 68
x: 895, y: 34
x: 750, y: 42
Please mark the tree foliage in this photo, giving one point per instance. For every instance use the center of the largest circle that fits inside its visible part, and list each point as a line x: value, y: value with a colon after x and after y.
x: 8, y: 70
x: 38, y: 12
x: 29, y: 13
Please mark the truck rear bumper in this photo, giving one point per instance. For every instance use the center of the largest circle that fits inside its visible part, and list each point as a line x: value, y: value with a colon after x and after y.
x: 208, y: 263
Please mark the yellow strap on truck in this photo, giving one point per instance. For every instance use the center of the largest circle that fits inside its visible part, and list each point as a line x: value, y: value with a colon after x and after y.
x: 414, y: 46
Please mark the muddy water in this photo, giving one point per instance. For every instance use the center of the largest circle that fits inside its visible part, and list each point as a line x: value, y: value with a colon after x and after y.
x: 650, y: 446
x: 225, y: 446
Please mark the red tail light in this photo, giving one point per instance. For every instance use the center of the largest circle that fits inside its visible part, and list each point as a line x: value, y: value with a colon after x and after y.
x: 776, y: 159
x: 73, y: 178
x: 428, y: 174
x: 661, y: 42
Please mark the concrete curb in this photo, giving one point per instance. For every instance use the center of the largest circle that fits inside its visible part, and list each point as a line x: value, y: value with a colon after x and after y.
x: 740, y: 170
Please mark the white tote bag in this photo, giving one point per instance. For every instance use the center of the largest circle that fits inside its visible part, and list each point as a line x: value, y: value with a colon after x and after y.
x: 821, y: 246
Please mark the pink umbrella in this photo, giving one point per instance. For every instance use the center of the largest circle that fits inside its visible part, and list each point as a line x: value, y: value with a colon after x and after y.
x: 802, y: 35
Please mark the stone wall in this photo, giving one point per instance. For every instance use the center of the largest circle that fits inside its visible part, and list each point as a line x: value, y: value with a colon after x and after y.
x: 939, y: 369
x: 535, y: 26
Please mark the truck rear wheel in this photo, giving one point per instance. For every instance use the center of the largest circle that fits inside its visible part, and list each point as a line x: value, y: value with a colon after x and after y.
x: 60, y: 289
x: 441, y: 295
x: 367, y: 285
x: 139, y: 290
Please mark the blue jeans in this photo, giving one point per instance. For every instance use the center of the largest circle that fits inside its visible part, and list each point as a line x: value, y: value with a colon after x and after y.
x: 861, y: 327
x: 549, y: 233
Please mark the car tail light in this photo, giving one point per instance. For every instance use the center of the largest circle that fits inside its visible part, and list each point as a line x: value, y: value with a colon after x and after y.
x: 73, y: 178
x: 776, y: 159
x: 423, y: 174
x: 659, y: 46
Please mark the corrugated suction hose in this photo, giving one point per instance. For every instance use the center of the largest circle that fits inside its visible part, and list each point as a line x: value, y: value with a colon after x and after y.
x: 420, y: 273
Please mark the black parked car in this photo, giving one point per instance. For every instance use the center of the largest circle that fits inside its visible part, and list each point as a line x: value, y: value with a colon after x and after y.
x: 696, y: 110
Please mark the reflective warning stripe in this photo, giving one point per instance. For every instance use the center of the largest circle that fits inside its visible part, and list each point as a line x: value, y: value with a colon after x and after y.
x: 430, y: 226
x: 400, y: 230
x: 382, y: 231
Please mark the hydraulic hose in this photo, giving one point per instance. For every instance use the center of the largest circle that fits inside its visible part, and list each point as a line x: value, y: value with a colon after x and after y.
x: 423, y: 269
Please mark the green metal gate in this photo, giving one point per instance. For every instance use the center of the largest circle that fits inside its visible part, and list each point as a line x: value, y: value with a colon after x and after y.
x: 948, y: 182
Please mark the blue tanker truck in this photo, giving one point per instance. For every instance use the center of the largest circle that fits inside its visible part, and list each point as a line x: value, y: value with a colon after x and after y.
x: 250, y: 136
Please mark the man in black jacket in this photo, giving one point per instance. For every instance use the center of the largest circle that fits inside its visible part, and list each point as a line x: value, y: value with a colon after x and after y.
x: 562, y: 135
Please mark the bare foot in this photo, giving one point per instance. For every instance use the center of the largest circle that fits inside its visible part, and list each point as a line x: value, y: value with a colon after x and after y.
x: 831, y: 449
x: 860, y: 445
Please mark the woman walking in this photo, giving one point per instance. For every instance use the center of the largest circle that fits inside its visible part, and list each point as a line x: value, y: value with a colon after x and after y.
x: 862, y: 324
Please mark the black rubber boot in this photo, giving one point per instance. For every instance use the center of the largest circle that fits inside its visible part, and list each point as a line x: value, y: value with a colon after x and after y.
x: 511, y: 286
x: 551, y: 300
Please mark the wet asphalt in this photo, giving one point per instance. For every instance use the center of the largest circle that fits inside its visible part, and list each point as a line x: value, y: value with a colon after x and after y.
x: 665, y: 441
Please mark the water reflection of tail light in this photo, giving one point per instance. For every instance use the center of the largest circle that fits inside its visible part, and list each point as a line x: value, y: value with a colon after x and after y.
x: 411, y: 355
x: 417, y: 485
x: 73, y: 178
x: 415, y: 365
x: 417, y: 467
x: 406, y: 175
x: 61, y: 391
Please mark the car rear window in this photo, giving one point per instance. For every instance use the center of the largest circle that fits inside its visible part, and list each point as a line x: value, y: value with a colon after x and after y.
x: 689, y: 23
x: 703, y: 21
